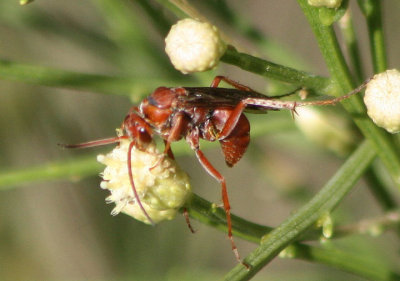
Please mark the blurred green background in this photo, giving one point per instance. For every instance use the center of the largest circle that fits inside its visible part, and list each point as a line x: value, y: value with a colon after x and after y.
x: 63, y: 230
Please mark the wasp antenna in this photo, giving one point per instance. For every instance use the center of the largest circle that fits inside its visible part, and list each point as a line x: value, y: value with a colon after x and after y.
x: 287, y: 94
x: 133, y: 184
x: 336, y: 100
x: 93, y: 143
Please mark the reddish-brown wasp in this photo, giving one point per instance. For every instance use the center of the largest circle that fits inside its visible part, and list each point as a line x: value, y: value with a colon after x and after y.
x: 209, y: 113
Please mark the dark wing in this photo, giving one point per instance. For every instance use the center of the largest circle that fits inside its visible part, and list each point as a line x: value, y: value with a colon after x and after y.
x: 219, y: 97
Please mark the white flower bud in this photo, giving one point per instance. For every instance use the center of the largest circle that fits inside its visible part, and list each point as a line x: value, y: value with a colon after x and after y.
x: 325, y: 3
x: 382, y: 98
x: 162, y: 186
x: 194, y: 46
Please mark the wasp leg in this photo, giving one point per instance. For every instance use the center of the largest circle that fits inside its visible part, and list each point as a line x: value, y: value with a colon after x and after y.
x: 225, y: 200
x: 193, y: 140
x: 186, y: 215
x: 218, y: 79
x: 178, y: 123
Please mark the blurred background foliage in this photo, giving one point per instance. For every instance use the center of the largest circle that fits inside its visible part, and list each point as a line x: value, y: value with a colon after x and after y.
x: 62, y: 229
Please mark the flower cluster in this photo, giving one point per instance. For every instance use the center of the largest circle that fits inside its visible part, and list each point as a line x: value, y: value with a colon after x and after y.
x: 162, y: 186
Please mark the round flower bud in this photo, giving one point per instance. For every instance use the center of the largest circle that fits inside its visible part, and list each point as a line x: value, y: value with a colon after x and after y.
x: 325, y: 3
x: 194, y: 46
x: 162, y: 186
x: 382, y: 98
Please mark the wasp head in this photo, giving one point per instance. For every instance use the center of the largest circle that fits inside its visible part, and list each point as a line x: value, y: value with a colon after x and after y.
x: 137, y: 130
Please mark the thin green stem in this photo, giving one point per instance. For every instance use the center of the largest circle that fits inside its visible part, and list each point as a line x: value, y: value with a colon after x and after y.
x: 211, y: 215
x: 379, y: 191
x: 361, y: 265
x: 76, y: 168
x: 340, y: 73
x: 372, y: 226
x: 321, y: 204
x: 275, y: 71
x: 207, y: 213
x: 350, y: 40
x: 52, y: 77
x: 372, y: 12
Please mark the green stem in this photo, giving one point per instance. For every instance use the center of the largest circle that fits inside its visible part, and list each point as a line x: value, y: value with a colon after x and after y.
x: 77, y: 168
x: 349, y: 35
x: 372, y: 11
x: 52, y: 77
x: 340, y: 73
x: 275, y: 71
x: 360, y: 265
x: 322, y: 203
x: 379, y: 191
x: 207, y: 213
x: 371, y: 226
x: 64, y: 79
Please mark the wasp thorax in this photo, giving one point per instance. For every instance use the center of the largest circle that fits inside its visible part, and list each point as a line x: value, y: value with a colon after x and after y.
x: 162, y: 186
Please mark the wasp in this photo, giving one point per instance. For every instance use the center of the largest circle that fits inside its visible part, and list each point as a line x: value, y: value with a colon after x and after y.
x: 209, y: 113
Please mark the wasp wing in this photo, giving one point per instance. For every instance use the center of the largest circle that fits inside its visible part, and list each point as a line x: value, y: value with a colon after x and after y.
x: 209, y: 97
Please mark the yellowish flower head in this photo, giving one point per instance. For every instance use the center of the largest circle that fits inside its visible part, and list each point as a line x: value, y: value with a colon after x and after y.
x: 162, y: 186
x: 382, y: 98
x: 194, y: 46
